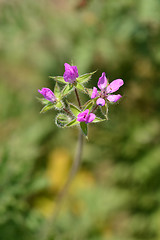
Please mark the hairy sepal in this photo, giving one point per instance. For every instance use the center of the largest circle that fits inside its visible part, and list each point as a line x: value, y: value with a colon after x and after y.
x: 43, y: 101
x: 47, y: 107
x: 85, y: 77
x: 67, y: 89
x: 58, y: 78
x: 62, y: 120
x: 57, y: 91
x: 97, y: 119
x: 75, y: 111
x: 72, y: 123
x: 84, y: 128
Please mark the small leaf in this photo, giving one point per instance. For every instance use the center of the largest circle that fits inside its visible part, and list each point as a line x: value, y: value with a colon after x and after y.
x: 89, y: 105
x: 74, y: 109
x: 72, y: 123
x: 85, y: 77
x: 61, y: 120
x: 81, y: 87
x: 104, y: 110
x: 58, y: 78
x: 47, y: 107
x: 59, y: 105
x: 84, y: 128
x: 57, y: 90
x: 43, y: 101
x: 67, y: 89
x: 97, y: 119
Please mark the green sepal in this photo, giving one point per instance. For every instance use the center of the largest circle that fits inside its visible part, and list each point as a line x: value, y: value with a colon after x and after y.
x: 80, y: 87
x: 58, y: 78
x: 104, y: 110
x: 89, y: 105
x: 59, y: 105
x: 43, y: 101
x: 84, y: 128
x: 67, y: 89
x: 74, y: 109
x: 61, y: 120
x: 57, y: 91
x: 97, y: 119
x: 85, y: 77
x: 47, y: 107
x: 72, y: 123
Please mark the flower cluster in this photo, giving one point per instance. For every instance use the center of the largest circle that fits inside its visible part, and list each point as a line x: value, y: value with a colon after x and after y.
x: 83, y: 114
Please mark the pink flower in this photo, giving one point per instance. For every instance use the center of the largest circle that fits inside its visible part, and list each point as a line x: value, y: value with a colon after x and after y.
x: 47, y: 94
x: 86, y: 117
x: 106, y: 89
x: 71, y: 73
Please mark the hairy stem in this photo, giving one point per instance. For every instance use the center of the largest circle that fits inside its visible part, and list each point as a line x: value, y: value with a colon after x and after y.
x: 78, y: 99
x: 63, y: 193
x: 66, y: 110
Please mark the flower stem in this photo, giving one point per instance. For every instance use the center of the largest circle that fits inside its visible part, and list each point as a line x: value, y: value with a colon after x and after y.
x: 63, y: 193
x: 94, y: 109
x: 66, y: 110
x: 78, y: 99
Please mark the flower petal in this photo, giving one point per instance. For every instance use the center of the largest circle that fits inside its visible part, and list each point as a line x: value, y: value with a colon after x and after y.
x: 102, y: 83
x: 100, y: 101
x: 81, y: 117
x: 48, y: 94
x: 114, y: 98
x: 71, y: 73
x: 115, y: 85
x: 90, y: 118
x: 94, y: 93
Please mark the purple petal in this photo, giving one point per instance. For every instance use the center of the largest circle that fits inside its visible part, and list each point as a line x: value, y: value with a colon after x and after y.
x: 83, y: 116
x: 115, y: 85
x: 71, y: 73
x: 102, y: 83
x: 94, y: 93
x: 48, y: 94
x: 100, y: 101
x: 90, y: 118
x: 114, y: 98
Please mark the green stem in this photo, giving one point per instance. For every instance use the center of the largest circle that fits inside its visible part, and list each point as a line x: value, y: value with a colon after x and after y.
x: 63, y: 193
x: 78, y: 99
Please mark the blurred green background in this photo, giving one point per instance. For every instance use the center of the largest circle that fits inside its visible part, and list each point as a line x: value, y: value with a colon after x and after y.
x: 116, y: 193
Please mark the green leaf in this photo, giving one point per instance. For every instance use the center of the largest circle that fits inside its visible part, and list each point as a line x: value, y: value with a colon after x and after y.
x: 97, y: 119
x: 47, y: 107
x: 89, y: 105
x: 104, y: 110
x: 59, y: 105
x: 74, y: 109
x: 85, y: 77
x: 43, y: 101
x: 84, y: 128
x: 57, y: 90
x: 67, y: 89
x: 81, y: 87
x: 58, y: 78
x: 61, y: 120
x: 72, y: 123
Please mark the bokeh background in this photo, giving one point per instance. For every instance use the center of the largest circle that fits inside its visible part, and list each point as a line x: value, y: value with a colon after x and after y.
x: 116, y: 193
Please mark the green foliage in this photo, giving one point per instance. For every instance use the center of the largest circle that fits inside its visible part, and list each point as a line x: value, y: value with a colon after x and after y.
x: 117, y: 196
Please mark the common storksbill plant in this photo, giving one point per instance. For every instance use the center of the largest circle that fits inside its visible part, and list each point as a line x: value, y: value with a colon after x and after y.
x: 81, y: 115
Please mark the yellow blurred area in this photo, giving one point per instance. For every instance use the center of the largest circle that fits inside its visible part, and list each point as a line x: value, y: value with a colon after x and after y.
x: 57, y: 169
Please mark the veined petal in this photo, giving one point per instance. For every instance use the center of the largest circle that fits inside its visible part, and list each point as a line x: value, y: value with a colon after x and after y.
x: 82, y: 117
x: 114, y: 98
x: 100, y: 101
x: 71, y: 73
x: 94, y: 93
x: 114, y: 86
x: 90, y: 118
x: 48, y: 94
x: 102, y: 83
